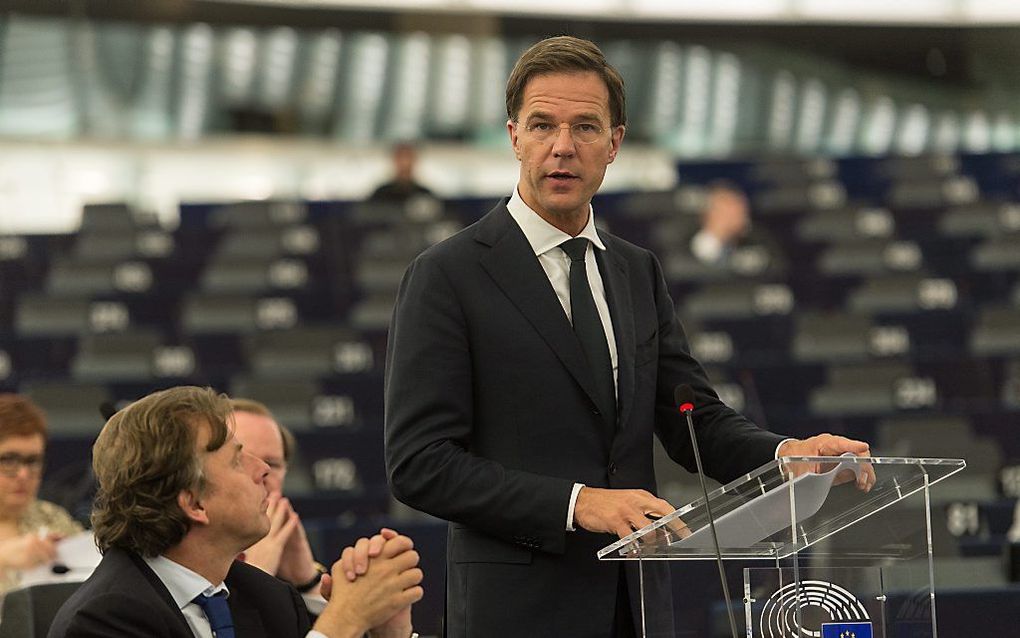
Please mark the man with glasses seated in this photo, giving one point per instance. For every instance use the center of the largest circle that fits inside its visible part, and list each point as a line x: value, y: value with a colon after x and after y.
x: 29, y: 528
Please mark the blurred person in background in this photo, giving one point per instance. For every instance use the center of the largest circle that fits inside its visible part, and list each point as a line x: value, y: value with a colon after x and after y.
x: 179, y: 498
x: 403, y: 186
x: 722, y: 241
x: 285, y: 551
x: 725, y: 222
x: 29, y: 528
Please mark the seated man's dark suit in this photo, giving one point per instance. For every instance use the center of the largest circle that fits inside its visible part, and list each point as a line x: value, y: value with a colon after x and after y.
x: 491, y: 419
x: 125, y: 599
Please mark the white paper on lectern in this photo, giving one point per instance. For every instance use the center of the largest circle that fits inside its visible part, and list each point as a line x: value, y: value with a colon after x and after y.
x: 78, y: 553
x: 764, y: 515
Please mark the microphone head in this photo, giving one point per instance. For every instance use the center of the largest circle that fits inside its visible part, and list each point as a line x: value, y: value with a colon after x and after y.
x: 683, y: 395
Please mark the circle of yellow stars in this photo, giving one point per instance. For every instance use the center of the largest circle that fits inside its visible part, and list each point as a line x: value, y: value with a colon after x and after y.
x: 848, y: 634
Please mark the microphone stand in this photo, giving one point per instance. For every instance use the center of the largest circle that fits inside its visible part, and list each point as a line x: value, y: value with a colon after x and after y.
x: 686, y: 408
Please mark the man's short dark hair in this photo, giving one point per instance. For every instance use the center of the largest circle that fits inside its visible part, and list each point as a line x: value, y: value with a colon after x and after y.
x: 565, y: 54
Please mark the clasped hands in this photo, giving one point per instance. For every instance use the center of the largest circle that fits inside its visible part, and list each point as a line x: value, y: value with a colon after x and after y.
x: 371, y: 588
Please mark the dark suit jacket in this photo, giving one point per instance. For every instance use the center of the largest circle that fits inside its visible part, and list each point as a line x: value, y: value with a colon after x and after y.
x: 490, y: 420
x: 125, y: 599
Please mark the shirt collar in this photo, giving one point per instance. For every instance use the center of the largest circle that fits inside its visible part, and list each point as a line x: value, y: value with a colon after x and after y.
x: 182, y: 583
x: 542, y: 235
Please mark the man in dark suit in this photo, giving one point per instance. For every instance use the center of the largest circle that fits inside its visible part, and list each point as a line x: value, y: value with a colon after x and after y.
x: 526, y: 377
x: 178, y: 500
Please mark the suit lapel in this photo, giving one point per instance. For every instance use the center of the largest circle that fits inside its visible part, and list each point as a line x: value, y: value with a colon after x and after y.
x: 247, y: 621
x: 183, y: 628
x: 616, y: 278
x: 513, y: 266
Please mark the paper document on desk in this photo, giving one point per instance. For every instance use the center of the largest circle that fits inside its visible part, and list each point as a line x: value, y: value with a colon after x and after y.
x: 77, y: 557
x: 768, y: 513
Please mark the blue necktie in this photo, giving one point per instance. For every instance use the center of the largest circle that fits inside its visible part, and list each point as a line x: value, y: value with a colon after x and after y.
x: 218, y: 613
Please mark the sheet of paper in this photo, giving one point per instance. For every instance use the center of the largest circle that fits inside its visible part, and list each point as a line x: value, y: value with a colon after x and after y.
x: 77, y: 556
x: 769, y: 513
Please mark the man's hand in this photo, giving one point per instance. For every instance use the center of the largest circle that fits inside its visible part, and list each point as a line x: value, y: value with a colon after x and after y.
x: 266, y: 553
x: 388, y: 587
x: 399, y: 626
x: 354, y: 559
x: 617, y: 512
x: 297, y: 564
x: 829, y: 445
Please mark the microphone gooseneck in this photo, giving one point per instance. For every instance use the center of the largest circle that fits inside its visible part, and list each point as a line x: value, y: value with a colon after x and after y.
x: 684, y: 397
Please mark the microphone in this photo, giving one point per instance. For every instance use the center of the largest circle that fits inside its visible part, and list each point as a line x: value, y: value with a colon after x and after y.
x: 684, y: 398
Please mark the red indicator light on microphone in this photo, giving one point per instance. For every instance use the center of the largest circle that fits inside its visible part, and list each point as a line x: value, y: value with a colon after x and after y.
x: 686, y: 407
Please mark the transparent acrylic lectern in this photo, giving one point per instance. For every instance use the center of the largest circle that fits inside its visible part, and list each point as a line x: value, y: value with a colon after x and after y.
x: 823, y: 556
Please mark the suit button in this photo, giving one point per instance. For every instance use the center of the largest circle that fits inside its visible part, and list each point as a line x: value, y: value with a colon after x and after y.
x: 612, y: 467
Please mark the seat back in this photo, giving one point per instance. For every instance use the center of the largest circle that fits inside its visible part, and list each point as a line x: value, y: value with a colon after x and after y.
x: 29, y: 612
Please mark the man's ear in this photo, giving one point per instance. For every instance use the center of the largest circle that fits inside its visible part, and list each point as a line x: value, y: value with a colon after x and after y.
x: 512, y: 131
x: 191, y: 505
x: 615, y: 141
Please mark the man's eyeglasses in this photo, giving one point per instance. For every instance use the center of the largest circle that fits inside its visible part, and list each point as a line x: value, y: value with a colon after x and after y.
x: 11, y: 462
x: 582, y: 132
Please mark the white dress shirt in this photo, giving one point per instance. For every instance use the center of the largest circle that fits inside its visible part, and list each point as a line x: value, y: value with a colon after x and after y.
x: 184, y: 585
x: 707, y: 248
x: 545, y: 240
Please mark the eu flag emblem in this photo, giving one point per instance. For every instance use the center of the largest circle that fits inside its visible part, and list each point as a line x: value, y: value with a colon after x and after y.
x: 846, y: 630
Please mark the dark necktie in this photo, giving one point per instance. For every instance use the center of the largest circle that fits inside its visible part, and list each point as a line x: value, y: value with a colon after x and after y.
x: 218, y: 613
x: 589, y: 330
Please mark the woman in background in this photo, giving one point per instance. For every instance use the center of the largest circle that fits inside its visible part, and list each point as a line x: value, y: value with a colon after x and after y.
x: 29, y: 528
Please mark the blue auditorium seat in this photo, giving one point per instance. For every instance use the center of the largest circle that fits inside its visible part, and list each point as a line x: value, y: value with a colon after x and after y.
x: 256, y: 214
x: 109, y: 217
x: 122, y: 244
x: 845, y: 225
x: 981, y: 220
x: 999, y: 254
x: 45, y: 316
x: 874, y: 388
x: 1010, y: 391
x: 28, y: 612
x: 253, y: 276
x: 110, y: 357
x: 996, y: 332
x: 72, y: 408
x: 738, y: 300
x: 373, y: 312
x: 291, y: 240
x: 209, y: 313
x: 904, y: 293
x: 835, y: 337
x: 77, y: 278
x: 311, y: 351
x: 871, y: 257
x: 305, y: 405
